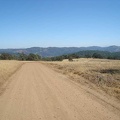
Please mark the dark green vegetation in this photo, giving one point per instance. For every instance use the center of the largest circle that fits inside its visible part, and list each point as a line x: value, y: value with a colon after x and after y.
x: 20, y: 56
x: 87, y: 54
x: 70, y: 57
x: 58, y: 51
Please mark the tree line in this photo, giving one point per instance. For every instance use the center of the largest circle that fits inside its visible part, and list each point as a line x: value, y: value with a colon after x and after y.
x: 20, y: 56
x: 87, y: 54
x: 70, y: 57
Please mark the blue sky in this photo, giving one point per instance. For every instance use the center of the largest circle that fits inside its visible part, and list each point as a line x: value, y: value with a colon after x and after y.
x: 59, y: 23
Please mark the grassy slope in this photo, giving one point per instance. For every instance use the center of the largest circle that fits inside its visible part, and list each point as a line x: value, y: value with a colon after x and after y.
x: 7, y: 68
x: 104, y: 74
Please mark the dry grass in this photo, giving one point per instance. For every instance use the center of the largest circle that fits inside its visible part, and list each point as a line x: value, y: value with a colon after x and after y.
x: 104, y: 74
x: 7, y: 68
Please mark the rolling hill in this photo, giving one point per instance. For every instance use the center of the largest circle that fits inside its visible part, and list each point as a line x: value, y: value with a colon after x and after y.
x: 57, y: 51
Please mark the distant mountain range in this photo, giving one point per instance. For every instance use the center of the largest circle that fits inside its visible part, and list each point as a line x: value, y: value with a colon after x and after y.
x: 57, y: 51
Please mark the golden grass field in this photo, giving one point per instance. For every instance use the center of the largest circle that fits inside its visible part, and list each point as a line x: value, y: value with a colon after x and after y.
x: 101, y: 73
x: 7, y: 68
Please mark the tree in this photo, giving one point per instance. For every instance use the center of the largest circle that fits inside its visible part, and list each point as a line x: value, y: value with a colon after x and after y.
x: 38, y: 57
x: 97, y: 55
x: 6, y: 56
x: 33, y: 57
x: 22, y: 56
x: 70, y: 58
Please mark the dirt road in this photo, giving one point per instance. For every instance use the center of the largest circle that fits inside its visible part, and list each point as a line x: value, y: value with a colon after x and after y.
x: 36, y: 92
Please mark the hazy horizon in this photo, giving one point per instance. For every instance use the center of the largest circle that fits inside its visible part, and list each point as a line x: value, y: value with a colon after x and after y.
x: 59, y: 47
